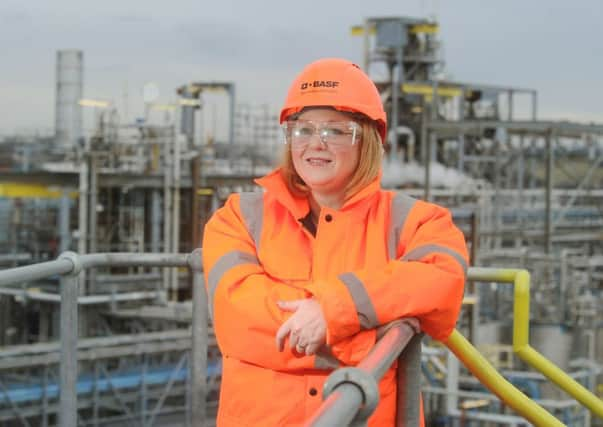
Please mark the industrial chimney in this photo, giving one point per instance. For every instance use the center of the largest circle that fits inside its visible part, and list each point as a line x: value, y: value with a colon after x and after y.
x: 68, y: 111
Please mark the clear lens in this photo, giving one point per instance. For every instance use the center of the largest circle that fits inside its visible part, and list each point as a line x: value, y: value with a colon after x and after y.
x: 299, y: 133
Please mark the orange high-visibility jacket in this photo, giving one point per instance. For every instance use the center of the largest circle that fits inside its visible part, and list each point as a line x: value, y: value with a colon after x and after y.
x: 379, y: 258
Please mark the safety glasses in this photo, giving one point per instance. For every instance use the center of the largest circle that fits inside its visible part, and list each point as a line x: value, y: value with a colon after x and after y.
x: 335, y: 135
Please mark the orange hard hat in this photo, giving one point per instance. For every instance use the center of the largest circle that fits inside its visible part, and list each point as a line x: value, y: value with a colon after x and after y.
x: 337, y: 83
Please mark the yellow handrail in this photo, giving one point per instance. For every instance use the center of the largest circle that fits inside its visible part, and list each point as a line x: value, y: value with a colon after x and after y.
x: 521, y: 332
x: 490, y: 377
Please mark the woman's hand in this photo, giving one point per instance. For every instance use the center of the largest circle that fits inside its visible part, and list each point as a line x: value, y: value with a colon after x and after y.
x: 306, y: 328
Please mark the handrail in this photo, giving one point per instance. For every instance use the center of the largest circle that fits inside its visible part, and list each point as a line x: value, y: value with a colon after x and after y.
x: 351, y: 394
x: 68, y: 265
x: 495, y: 382
x: 480, y: 367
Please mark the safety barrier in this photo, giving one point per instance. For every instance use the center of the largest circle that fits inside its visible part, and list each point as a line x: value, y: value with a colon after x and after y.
x: 351, y: 394
x: 68, y: 265
x: 521, y: 330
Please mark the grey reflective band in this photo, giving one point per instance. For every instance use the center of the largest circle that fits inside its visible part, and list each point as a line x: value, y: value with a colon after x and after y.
x: 420, y: 251
x: 252, y: 209
x: 400, y: 208
x: 324, y: 360
x: 364, y: 306
x: 225, y: 263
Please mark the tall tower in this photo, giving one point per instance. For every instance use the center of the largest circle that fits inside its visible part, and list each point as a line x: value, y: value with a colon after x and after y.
x: 69, y: 87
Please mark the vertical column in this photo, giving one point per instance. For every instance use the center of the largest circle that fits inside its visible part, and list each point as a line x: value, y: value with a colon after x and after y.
x: 397, y: 79
x: 92, y: 218
x: 548, y: 218
x: 176, y: 215
x: 82, y: 243
x: 167, y: 212
x: 520, y: 183
x: 64, y: 232
x: 430, y: 154
x: 510, y: 105
x: 366, y: 46
x: 452, y: 383
x: 195, y: 185
x: 199, y: 342
x: 155, y: 220
x: 408, y: 404
x: 69, y: 335
x: 69, y: 89
x: 498, y: 205
x: 231, y: 93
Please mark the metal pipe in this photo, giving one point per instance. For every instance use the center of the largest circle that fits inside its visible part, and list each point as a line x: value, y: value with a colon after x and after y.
x: 409, y: 385
x: 490, y: 377
x: 92, y: 218
x: 167, y: 210
x: 396, y: 84
x: 510, y: 105
x: 548, y: 218
x: 33, y: 272
x: 366, y: 47
x: 521, y: 321
x: 431, y: 142
x: 65, y: 236
x: 199, y: 342
x: 128, y: 278
x: 520, y: 185
x: 125, y: 259
x: 83, y: 300
x: 13, y: 258
x: 431, y: 138
x: 175, y: 215
x: 343, y: 404
x: 497, y: 197
x: 387, y: 349
x: 82, y: 243
x: 69, y: 336
x: 339, y: 408
x: 231, y: 92
x: 71, y: 264
x: 155, y: 220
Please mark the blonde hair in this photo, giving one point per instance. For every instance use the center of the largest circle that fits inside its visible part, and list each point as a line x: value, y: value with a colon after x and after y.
x: 369, y: 161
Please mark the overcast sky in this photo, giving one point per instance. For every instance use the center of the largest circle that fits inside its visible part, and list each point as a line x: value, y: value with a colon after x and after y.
x: 553, y: 46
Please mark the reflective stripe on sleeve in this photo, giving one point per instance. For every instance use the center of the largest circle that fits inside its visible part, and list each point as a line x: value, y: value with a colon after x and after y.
x: 420, y: 251
x: 400, y: 208
x: 364, y: 306
x: 252, y: 209
x: 225, y: 263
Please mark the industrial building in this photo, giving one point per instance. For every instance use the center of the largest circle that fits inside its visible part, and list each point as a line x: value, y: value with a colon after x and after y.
x: 527, y: 193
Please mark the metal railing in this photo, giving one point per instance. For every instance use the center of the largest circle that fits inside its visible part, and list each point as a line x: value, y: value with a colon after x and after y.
x: 68, y: 265
x: 351, y: 394
x: 520, y: 279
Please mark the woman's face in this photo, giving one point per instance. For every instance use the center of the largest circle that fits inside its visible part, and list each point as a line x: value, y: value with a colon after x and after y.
x: 326, y: 169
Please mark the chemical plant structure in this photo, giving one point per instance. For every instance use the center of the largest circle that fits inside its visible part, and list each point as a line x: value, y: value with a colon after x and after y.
x: 527, y: 193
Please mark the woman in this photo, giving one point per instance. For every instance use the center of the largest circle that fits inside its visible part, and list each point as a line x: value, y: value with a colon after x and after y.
x: 301, y: 276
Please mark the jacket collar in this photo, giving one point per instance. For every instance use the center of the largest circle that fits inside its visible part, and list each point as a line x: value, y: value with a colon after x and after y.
x: 274, y: 184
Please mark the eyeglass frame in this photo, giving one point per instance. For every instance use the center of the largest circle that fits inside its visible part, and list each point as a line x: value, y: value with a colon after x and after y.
x: 317, y: 128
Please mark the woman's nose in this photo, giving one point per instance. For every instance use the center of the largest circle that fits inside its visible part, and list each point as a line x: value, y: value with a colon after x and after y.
x: 317, y: 141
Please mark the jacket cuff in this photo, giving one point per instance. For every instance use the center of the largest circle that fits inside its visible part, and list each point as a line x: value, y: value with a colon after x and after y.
x: 338, y: 308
